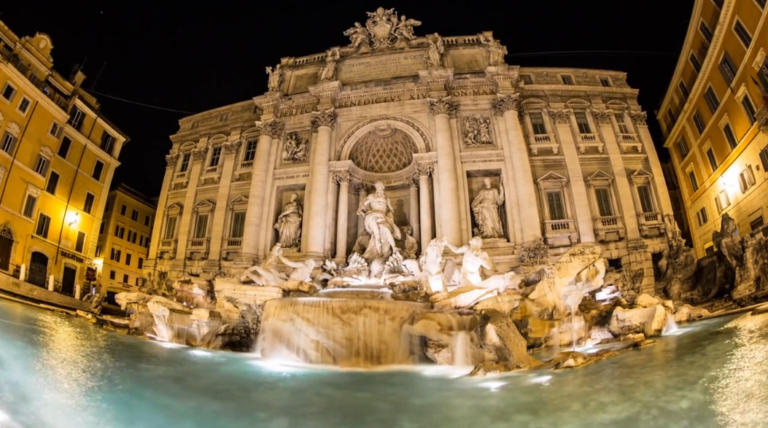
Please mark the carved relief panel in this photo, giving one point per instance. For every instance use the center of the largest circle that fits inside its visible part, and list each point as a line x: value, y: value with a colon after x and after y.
x: 295, y: 149
x: 477, y: 131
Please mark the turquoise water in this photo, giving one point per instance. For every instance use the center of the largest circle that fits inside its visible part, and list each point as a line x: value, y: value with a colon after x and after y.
x: 59, y: 371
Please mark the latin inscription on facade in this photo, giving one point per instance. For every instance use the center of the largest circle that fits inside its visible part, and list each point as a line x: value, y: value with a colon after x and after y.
x: 381, y: 67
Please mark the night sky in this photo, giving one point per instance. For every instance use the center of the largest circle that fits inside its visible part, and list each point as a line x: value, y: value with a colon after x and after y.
x: 187, y: 57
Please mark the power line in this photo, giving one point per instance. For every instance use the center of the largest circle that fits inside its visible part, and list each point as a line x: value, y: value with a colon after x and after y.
x: 592, y: 52
x: 141, y: 104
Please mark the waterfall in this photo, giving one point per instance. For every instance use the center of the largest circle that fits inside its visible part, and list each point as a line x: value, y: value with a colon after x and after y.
x: 462, y: 349
x: 671, y: 326
x: 346, y: 332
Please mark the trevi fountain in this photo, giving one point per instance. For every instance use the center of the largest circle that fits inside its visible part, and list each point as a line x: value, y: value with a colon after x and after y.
x: 468, y: 317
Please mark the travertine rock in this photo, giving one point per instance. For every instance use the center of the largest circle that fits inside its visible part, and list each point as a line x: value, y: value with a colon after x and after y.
x: 649, y: 321
x: 688, y: 313
x: 646, y: 301
x: 502, y: 342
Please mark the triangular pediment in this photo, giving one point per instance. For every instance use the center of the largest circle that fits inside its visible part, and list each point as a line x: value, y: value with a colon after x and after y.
x: 641, y: 173
x: 217, y: 139
x: 175, y: 207
x: 599, y: 175
x: 552, y: 177
x: 240, y: 200
x: 205, y: 203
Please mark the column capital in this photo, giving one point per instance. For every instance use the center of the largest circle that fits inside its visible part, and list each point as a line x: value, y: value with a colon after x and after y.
x: 639, y: 117
x: 325, y: 118
x: 341, y: 177
x: 199, y: 153
x: 505, y: 103
x: 414, y: 181
x: 424, y: 168
x: 561, y: 117
x: 271, y: 128
x: 602, y: 117
x: 445, y: 105
x: 231, y: 147
x: 170, y: 160
x: 361, y: 188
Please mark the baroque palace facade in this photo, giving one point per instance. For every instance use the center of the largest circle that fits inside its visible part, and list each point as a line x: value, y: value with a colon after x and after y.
x: 715, y: 118
x: 58, y: 154
x: 463, y: 145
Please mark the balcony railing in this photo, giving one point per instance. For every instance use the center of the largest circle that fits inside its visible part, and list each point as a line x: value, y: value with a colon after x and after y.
x: 544, y: 141
x: 181, y: 175
x: 589, y: 140
x: 609, y: 221
x: 560, y: 226
x: 609, y: 228
x: 246, y: 165
x: 560, y: 233
x: 234, y: 242
x: 41, y: 84
x: 628, y: 141
x: 651, y: 224
x: 167, y: 243
x: 650, y: 217
x: 198, y: 243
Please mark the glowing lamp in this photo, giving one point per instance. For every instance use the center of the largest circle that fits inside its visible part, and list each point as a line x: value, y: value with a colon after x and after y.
x: 73, y: 218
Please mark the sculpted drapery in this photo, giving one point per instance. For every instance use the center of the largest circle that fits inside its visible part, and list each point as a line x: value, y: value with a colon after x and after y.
x: 485, y: 207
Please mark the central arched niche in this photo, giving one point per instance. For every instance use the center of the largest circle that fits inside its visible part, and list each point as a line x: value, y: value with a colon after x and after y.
x: 384, y: 149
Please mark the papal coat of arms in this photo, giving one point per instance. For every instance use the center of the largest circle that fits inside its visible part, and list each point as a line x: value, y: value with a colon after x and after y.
x: 382, y: 29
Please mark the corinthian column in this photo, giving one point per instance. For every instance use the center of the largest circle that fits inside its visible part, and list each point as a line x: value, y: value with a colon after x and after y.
x: 413, y: 202
x: 639, y: 119
x: 318, y: 199
x: 269, y: 130
x: 450, y: 219
x: 506, y: 106
x: 342, y: 215
x: 425, y: 206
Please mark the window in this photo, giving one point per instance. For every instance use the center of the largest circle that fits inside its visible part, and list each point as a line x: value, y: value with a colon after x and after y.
x: 128, y: 258
x: 718, y: 3
x: 41, y: 165
x: 604, y: 204
x: 537, y: 123
x: 722, y: 201
x: 238, y: 224
x: 53, y: 182
x: 682, y: 147
x: 705, y: 31
x: 683, y: 90
x: 135, y: 215
x: 727, y: 68
x: 66, y: 143
x: 555, y: 204
x: 527, y: 79
x: 702, y: 216
x: 761, y: 3
x: 55, y: 130
x: 184, y: 163
x: 98, y: 251
x: 728, y: 131
x: 170, y: 228
x: 646, y: 201
x: 250, y: 151
x: 711, y: 98
x: 115, y: 254
x: 141, y: 263
x: 43, y: 222
x: 80, y: 242
x: 141, y: 240
x: 756, y: 224
x: 76, y: 119
x: 695, y: 62
x: 764, y: 158
x: 582, y: 122
x: 201, y: 226
x: 699, y: 122
x: 132, y: 236
x: 566, y: 79
x: 215, y: 156
x: 108, y: 207
x: 671, y: 118
x: 694, y: 182
x: 606, y: 82
x: 119, y: 231
x: 746, y: 179
x: 742, y: 33
x: 97, y: 170
x: 102, y: 227
x: 9, y: 92
x: 24, y: 105
x: 749, y: 109
x: 8, y: 143
x: 88, y: 204
x: 622, y: 124
x: 125, y: 279
x: 29, y: 206
x: 146, y: 220
x: 712, y: 160
x: 107, y: 142
x: 112, y: 274
x: 123, y: 209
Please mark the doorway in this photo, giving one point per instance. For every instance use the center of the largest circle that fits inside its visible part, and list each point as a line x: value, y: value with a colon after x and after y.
x: 38, y: 269
x: 6, y: 245
x: 68, y: 280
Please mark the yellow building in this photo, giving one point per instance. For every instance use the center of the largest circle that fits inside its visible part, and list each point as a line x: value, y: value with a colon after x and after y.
x: 124, y: 241
x: 57, y: 158
x: 715, y: 120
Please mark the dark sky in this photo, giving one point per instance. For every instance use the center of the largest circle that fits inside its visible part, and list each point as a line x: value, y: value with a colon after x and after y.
x: 195, y: 56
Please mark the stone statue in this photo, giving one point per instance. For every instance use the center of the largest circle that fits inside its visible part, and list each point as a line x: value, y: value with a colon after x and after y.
x: 474, y: 259
x: 289, y: 223
x: 435, y: 51
x: 496, y: 50
x: 410, y: 244
x: 275, y: 78
x: 404, y: 29
x: 296, y: 148
x: 266, y: 275
x: 485, y: 207
x: 358, y: 36
x: 431, y: 263
x: 328, y: 70
x: 300, y: 278
x: 379, y: 223
x: 477, y: 131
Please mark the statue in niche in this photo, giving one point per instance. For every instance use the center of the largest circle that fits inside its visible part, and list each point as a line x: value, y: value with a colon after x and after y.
x: 474, y: 259
x: 496, y: 50
x: 410, y: 244
x: 379, y: 223
x: 485, y: 207
x: 404, y: 29
x: 328, y: 70
x: 289, y: 223
x: 296, y: 148
x: 477, y: 131
x: 435, y: 51
x: 275, y: 78
x: 358, y: 36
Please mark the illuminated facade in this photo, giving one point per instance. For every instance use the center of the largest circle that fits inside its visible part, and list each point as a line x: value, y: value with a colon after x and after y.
x: 57, y: 158
x: 124, y: 241
x: 714, y: 117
